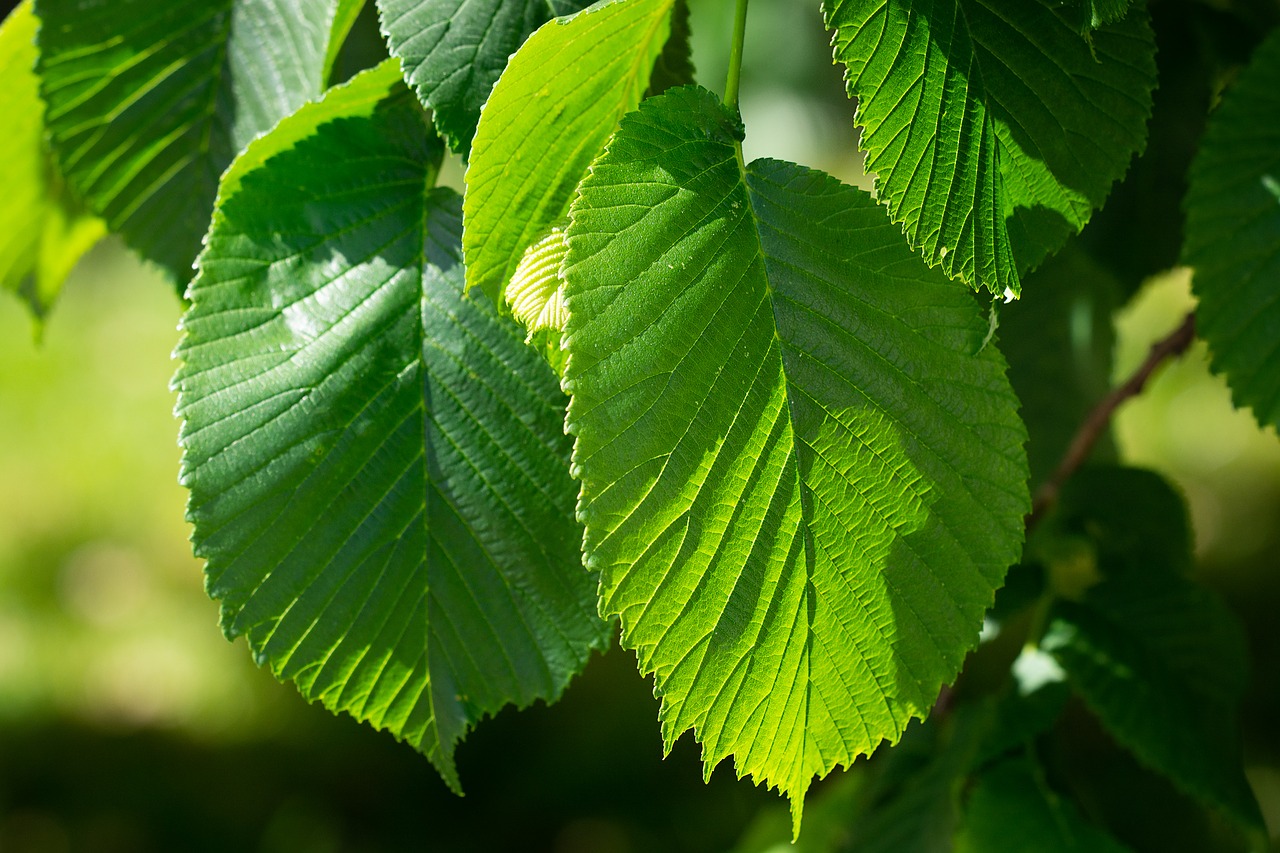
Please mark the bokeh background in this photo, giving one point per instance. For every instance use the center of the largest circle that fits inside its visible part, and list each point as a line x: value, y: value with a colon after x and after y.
x: 127, y: 722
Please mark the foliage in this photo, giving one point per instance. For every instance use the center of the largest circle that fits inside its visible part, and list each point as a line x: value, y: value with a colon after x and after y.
x: 439, y: 446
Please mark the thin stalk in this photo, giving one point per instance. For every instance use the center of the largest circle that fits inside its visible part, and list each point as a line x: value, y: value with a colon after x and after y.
x: 735, y: 55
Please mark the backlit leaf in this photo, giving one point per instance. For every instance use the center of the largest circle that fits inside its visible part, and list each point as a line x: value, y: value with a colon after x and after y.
x: 800, y: 485
x: 995, y: 127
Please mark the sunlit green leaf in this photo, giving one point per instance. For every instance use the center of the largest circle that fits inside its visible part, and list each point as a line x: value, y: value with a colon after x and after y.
x: 378, y: 470
x: 1233, y: 235
x: 454, y: 50
x: 544, y: 124
x: 995, y: 128
x: 800, y: 485
x: 43, y: 231
x: 149, y: 100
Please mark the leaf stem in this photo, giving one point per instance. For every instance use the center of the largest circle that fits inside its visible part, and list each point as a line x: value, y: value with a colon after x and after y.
x: 1172, y: 345
x: 735, y: 54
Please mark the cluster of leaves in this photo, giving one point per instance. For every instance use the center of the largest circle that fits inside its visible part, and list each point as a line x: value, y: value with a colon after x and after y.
x: 439, y: 445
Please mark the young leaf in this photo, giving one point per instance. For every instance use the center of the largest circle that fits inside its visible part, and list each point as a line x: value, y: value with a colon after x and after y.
x: 1233, y: 235
x: 548, y: 117
x: 1158, y: 658
x: 800, y: 486
x: 150, y: 100
x: 378, y: 470
x: 43, y: 230
x: 454, y: 50
x: 995, y: 128
x: 1012, y: 809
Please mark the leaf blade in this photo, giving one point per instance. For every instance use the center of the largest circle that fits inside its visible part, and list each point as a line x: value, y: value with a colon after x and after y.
x: 727, y: 473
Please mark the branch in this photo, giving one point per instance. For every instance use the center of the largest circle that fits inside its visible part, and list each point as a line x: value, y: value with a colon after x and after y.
x: 1171, y: 346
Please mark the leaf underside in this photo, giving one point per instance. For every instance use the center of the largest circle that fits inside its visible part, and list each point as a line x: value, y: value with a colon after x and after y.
x: 378, y: 470
x: 1233, y: 235
x: 150, y: 100
x: 994, y: 127
x: 800, y: 487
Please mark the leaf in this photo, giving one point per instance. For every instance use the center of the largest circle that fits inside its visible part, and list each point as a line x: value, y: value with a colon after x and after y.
x: 150, y: 100
x: 1158, y: 658
x: 994, y: 127
x: 1013, y: 809
x: 1233, y: 235
x: 546, y: 121
x: 43, y: 230
x: 454, y: 50
x: 378, y: 470
x: 799, y: 486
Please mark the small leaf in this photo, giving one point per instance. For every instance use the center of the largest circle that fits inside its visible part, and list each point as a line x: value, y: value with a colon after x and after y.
x: 536, y: 296
x: 1012, y: 809
x: 344, y: 18
x: 1233, y: 235
x: 799, y: 486
x: 994, y: 127
x: 43, y: 230
x: 378, y: 470
x: 150, y: 100
x: 546, y: 121
x: 454, y: 50
x: 1158, y: 658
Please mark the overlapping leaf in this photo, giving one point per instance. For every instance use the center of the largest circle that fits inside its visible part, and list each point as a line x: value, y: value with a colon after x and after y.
x: 150, y: 100
x: 43, y: 231
x: 1158, y: 658
x: 378, y: 470
x: 995, y: 127
x: 1233, y: 235
x: 546, y: 121
x: 454, y: 50
x: 800, y: 485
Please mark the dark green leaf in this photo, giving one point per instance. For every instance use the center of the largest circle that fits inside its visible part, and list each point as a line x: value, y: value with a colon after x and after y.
x: 1233, y: 235
x: 150, y: 100
x: 995, y: 128
x: 1158, y: 658
x: 800, y: 486
x: 1012, y: 809
x: 546, y: 121
x: 378, y: 470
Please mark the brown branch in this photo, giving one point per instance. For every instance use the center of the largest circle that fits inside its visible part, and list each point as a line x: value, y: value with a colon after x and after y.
x: 1171, y: 346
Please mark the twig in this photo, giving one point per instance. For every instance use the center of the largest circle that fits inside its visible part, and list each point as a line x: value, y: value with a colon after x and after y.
x: 1171, y: 346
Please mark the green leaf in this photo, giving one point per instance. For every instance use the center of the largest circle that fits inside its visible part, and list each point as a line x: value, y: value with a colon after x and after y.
x: 536, y: 296
x: 43, y: 230
x: 799, y: 485
x: 454, y: 50
x: 378, y: 470
x: 1158, y: 658
x: 1233, y: 235
x: 1013, y: 809
x: 994, y: 127
x: 150, y: 100
x: 546, y: 121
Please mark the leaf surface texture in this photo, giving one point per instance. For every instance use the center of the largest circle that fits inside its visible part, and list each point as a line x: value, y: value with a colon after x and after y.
x: 800, y: 486
x: 378, y: 469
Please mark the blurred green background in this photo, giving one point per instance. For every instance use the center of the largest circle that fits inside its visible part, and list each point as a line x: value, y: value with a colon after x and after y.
x: 127, y: 723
